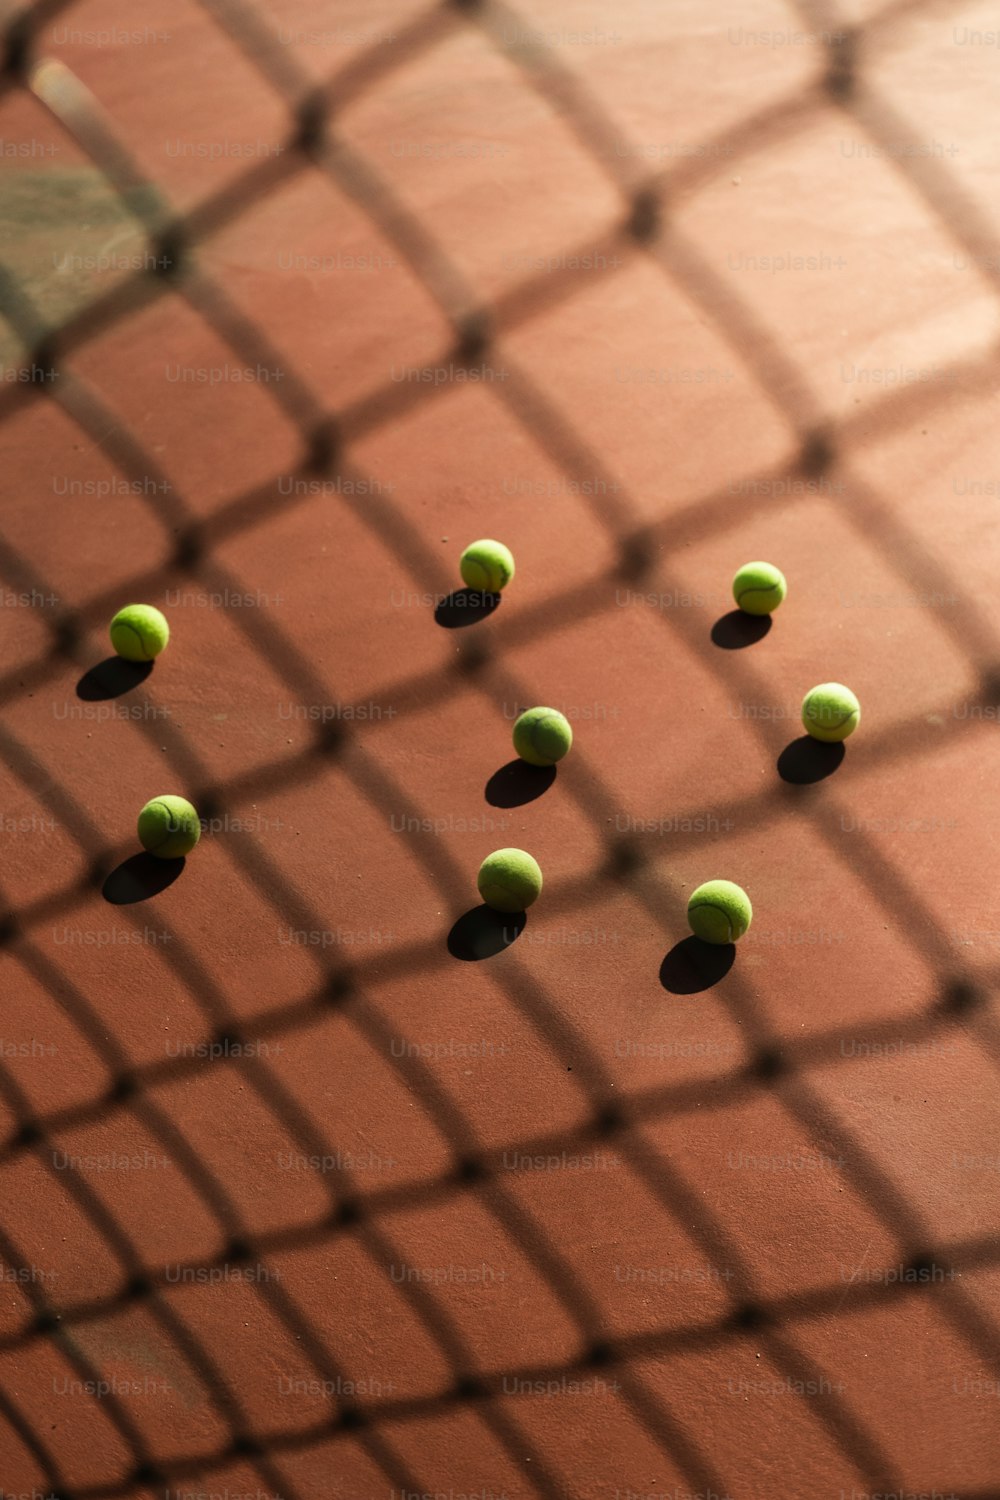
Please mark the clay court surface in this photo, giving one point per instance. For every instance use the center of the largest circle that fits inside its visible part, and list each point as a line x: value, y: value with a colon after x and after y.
x: 315, y: 1182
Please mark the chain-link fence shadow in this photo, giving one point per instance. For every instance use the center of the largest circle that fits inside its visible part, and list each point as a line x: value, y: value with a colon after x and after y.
x: 773, y: 1065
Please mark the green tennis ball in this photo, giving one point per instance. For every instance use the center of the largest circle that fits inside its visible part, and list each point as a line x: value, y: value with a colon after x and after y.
x: 542, y: 736
x: 139, y: 632
x: 487, y: 566
x: 719, y: 912
x: 509, y: 880
x: 759, y: 588
x: 831, y: 712
x: 169, y: 827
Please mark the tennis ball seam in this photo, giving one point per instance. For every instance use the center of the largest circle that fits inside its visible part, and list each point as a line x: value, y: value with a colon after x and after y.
x: 711, y: 906
x: 770, y: 588
x: 124, y: 625
x: 473, y: 563
x: 495, y: 889
x: 536, y: 728
x: 819, y: 721
x: 825, y: 724
x: 172, y: 826
x: 542, y: 736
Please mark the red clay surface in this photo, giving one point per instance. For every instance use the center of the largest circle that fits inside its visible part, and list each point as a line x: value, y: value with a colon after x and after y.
x: 314, y: 1185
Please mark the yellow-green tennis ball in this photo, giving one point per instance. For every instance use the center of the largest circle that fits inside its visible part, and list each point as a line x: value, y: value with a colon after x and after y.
x: 169, y: 827
x: 509, y: 880
x: 831, y: 712
x: 759, y: 588
x: 542, y: 736
x: 719, y: 911
x: 487, y: 566
x: 139, y: 632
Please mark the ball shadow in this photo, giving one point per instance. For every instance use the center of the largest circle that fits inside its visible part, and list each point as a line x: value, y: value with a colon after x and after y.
x: 140, y: 877
x: 483, y: 933
x: 465, y: 607
x: 692, y: 966
x: 111, y: 678
x: 738, y: 629
x: 517, y: 783
x: 806, y: 760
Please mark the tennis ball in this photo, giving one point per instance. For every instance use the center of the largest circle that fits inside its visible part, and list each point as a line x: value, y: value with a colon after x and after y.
x: 169, y: 827
x: 542, y: 736
x: 139, y: 632
x: 719, y: 912
x: 759, y: 588
x: 487, y: 566
x: 509, y: 880
x: 831, y: 712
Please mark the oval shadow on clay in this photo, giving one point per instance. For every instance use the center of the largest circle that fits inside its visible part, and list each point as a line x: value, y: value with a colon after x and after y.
x: 735, y: 631
x: 111, y: 678
x: 483, y: 933
x: 465, y: 607
x: 806, y: 761
x: 517, y: 783
x: 692, y: 966
x: 140, y: 877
